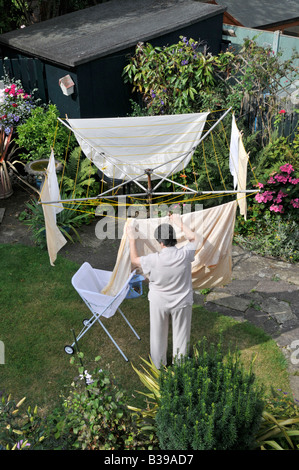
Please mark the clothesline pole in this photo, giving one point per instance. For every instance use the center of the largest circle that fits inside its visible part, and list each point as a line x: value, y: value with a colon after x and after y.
x: 149, y: 191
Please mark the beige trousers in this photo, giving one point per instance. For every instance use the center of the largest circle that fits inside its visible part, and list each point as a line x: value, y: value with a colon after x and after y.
x: 159, y: 325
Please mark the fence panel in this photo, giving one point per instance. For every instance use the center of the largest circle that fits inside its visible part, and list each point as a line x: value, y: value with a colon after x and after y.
x: 29, y: 71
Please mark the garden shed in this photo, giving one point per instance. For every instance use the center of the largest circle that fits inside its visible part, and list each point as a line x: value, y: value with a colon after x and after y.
x: 76, y: 60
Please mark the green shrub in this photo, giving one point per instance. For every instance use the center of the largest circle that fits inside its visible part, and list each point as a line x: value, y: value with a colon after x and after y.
x: 169, y: 78
x: 268, y: 234
x: 41, y: 132
x: 79, y: 176
x: 67, y: 221
x: 95, y: 415
x: 208, y: 402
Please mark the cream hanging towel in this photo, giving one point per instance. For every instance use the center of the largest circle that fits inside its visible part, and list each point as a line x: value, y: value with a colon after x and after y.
x: 212, y: 265
x: 242, y: 178
x: 50, y: 191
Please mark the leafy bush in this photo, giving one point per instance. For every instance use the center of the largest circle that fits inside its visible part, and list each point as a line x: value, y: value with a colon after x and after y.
x: 67, y: 221
x: 180, y: 78
x: 78, y: 178
x: 268, y: 235
x: 95, y: 415
x: 208, y: 402
x: 39, y: 134
x: 170, y: 78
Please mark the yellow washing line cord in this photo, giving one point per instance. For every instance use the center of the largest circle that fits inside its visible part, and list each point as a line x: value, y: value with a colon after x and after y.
x: 170, y: 200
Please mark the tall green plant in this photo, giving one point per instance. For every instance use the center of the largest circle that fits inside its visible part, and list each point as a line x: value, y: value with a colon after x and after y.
x: 208, y: 402
x: 149, y: 377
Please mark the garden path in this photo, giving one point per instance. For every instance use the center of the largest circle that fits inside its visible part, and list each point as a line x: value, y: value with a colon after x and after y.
x: 263, y: 291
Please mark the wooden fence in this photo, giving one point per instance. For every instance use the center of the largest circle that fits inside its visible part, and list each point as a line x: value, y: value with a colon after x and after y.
x: 30, y: 71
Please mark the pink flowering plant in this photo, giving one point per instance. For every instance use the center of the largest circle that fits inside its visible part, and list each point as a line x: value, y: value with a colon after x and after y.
x: 272, y: 225
x: 15, y: 107
x: 280, y: 193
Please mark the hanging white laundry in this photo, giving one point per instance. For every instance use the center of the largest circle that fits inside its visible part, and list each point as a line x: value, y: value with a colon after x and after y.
x: 212, y: 265
x: 50, y: 192
x: 242, y: 178
x: 234, y: 152
x: 123, y: 148
x: 53, y: 184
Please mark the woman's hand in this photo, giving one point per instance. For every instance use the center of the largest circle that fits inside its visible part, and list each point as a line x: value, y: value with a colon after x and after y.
x: 132, y: 235
x: 131, y: 231
x: 175, y: 219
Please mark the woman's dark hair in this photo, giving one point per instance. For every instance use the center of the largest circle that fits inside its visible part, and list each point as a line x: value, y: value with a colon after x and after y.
x: 165, y: 234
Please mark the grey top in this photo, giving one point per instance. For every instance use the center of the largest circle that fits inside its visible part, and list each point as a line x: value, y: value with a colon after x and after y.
x: 170, y: 280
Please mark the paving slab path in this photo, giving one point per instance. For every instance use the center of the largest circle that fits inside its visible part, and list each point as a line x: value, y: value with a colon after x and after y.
x: 263, y: 291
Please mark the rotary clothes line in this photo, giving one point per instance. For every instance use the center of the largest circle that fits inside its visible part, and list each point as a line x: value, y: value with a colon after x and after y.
x: 120, y: 151
x: 212, y: 265
x: 134, y: 150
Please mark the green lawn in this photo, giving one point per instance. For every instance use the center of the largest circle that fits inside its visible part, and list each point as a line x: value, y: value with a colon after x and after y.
x: 39, y: 308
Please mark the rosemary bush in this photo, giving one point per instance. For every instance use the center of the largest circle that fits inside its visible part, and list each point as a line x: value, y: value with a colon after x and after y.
x: 208, y: 402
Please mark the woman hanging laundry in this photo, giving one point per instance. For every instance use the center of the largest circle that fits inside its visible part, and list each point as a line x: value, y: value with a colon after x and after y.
x: 170, y: 288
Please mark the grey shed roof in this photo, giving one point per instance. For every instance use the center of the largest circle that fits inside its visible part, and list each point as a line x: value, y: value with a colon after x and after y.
x: 257, y: 13
x: 86, y: 35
